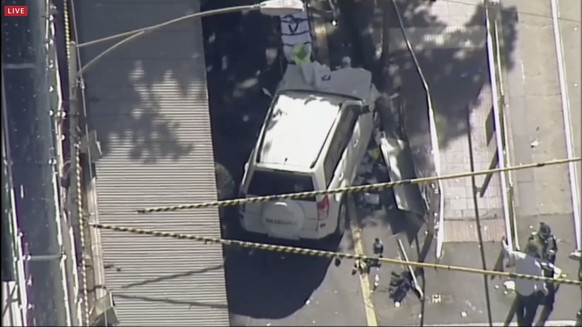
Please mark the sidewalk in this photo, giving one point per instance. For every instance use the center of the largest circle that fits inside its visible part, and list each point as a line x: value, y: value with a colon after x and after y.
x: 449, y: 41
x: 536, y: 134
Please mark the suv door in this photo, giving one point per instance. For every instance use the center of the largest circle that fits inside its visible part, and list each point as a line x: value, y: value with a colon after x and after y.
x: 358, y: 143
x: 337, y: 164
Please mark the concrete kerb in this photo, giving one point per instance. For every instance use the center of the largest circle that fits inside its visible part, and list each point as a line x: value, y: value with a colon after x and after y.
x: 492, y: 14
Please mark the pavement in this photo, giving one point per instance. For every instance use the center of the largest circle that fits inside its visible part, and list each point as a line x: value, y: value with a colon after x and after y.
x: 29, y: 133
x: 536, y: 128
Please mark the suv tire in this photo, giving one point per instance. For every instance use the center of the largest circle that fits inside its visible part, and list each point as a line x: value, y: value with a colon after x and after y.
x: 342, y: 219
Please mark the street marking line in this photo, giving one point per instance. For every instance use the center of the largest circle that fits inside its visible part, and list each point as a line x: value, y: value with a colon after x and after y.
x: 369, y: 309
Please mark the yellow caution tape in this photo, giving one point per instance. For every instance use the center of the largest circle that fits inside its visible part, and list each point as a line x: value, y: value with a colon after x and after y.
x: 353, y: 189
x: 327, y: 254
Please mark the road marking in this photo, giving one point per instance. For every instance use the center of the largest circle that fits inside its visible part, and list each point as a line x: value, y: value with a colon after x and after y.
x: 551, y: 323
x: 364, y: 280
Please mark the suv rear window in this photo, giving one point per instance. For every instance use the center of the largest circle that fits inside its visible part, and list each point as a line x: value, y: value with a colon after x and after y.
x: 275, y: 182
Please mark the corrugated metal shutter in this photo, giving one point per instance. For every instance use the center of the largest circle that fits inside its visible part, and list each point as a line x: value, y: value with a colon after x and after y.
x: 148, y: 103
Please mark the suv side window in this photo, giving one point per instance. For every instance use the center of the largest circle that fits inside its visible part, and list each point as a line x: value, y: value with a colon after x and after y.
x: 340, y: 139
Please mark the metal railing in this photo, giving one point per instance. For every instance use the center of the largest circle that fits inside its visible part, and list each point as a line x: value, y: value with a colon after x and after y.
x: 58, y: 115
x: 433, y: 190
x: 64, y: 226
x: 88, y: 239
x: 494, y: 44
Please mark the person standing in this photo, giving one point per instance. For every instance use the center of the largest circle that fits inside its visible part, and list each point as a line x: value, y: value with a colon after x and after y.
x: 378, y: 249
x: 547, y: 241
x: 527, y: 290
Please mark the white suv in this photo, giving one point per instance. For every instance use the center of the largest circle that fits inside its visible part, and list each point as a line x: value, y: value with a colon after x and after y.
x: 313, y: 138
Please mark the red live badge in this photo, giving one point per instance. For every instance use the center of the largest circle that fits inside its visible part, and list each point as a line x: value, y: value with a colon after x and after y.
x: 15, y: 11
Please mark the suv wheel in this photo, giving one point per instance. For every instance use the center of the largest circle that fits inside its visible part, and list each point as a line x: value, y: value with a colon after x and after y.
x: 342, y: 219
x: 225, y: 188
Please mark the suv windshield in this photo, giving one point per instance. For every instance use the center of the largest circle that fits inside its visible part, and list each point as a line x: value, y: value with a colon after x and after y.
x: 275, y: 182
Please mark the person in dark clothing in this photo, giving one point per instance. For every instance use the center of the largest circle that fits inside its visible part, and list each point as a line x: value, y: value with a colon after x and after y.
x: 548, y: 246
x: 378, y: 247
x: 400, y: 284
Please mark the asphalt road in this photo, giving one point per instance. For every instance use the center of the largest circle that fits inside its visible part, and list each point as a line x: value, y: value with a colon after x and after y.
x: 266, y: 289
x: 30, y: 145
x: 537, y: 134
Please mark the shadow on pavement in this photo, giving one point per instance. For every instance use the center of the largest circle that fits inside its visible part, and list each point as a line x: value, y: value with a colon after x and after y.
x: 242, y: 58
x: 455, y: 75
x: 271, y: 285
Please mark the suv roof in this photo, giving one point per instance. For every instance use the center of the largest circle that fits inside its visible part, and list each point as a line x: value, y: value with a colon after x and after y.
x: 296, y: 129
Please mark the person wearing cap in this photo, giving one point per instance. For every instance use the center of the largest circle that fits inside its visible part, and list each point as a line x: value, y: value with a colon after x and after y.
x: 527, y: 290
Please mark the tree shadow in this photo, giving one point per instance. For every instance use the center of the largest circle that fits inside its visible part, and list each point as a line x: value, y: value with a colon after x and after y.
x: 126, y: 90
x: 453, y: 60
x: 242, y: 57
